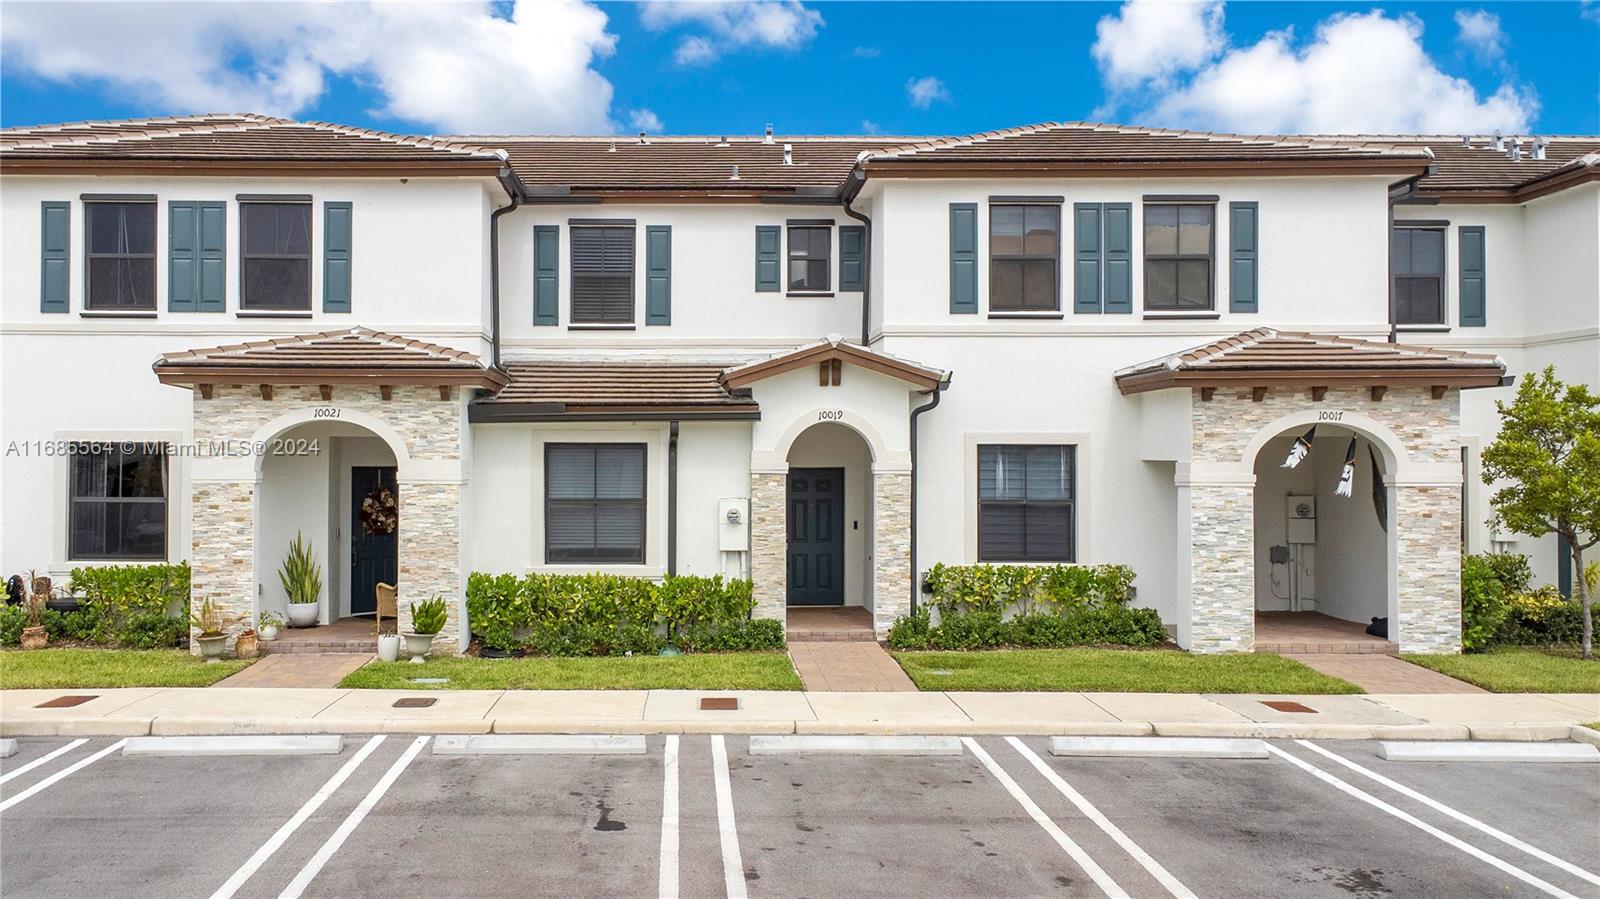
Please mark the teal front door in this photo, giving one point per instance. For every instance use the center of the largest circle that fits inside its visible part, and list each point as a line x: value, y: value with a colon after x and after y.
x: 816, y: 536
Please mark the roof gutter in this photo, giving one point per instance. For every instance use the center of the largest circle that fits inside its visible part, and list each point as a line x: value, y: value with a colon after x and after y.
x: 508, y: 181
x: 852, y: 189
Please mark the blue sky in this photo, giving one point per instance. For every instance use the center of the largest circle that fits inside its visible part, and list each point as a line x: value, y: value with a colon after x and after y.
x: 895, y: 68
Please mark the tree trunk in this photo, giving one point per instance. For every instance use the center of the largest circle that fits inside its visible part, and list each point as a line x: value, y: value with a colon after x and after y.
x: 1584, y: 598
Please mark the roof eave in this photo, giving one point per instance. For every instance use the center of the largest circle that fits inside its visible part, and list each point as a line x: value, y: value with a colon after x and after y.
x: 305, y: 375
x: 968, y: 168
x: 1463, y: 377
x: 451, y: 167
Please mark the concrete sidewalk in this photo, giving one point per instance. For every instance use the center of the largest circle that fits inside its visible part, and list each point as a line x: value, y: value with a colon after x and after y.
x: 138, y: 711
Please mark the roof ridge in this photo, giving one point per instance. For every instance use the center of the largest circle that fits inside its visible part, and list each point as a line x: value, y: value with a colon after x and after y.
x: 300, y: 340
x: 1312, y: 142
x: 144, y: 120
x: 409, y: 140
x: 84, y: 140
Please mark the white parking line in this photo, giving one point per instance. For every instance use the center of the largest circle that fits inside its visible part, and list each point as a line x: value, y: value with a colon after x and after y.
x: 42, y: 760
x: 1421, y: 825
x: 273, y: 844
x: 1161, y: 874
x: 669, y: 821
x: 1468, y: 820
x: 732, y: 864
x: 1095, y: 872
x: 314, y: 867
x: 61, y: 775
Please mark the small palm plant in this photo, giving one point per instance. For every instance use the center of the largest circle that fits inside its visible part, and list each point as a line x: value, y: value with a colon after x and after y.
x: 208, y: 621
x: 428, y: 617
x: 300, y: 575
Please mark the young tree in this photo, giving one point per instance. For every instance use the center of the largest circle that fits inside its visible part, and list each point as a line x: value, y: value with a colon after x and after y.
x: 1548, y: 450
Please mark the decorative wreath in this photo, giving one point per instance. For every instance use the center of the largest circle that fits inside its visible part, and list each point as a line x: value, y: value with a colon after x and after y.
x: 380, y: 513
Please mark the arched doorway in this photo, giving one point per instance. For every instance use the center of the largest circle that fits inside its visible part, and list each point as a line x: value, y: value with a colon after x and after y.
x: 828, y: 521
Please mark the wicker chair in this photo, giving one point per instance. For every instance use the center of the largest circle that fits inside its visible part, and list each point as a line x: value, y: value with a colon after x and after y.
x: 388, y: 605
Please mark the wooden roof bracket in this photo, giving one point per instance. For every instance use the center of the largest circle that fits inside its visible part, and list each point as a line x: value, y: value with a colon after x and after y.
x: 1317, y: 393
x: 1438, y: 391
x: 1378, y: 390
x: 266, y: 391
x: 1206, y: 393
x: 1258, y: 394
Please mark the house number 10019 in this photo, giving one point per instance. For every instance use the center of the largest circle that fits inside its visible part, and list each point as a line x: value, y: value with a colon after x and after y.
x: 325, y: 412
x: 1330, y: 416
x: 830, y: 415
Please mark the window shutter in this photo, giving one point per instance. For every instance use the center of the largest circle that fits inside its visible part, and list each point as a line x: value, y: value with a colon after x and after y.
x: 336, y: 257
x: 658, y: 274
x: 1474, y: 300
x: 852, y: 253
x: 212, y: 295
x: 54, y: 237
x: 546, y: 273
x: 1086, y: 257
x: 183, y: 256
x: 769, y: 276
x: 964, y: 258
x: 1117, y: 238
x: 1243, y: 273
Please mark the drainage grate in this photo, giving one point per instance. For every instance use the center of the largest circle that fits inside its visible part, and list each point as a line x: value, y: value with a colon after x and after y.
x: 1284, y: 705
x: 415, y: 702
x: 719, y: 704
x: 65, y: 702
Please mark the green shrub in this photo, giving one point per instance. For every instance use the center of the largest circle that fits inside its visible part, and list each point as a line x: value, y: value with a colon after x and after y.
x: 1539, y: 617
x: 1024, y: 589
x: 1511, y: 570
x: 87, y: 623
x: 12, y: 620
x: 151, y: 630
x: 429, y: 616
x: 1107, y: 625
x: 123, y: 590
x: 301, y: 575
x: 1482, y: 602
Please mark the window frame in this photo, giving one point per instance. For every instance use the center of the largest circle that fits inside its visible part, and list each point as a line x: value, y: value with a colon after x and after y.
x: 81, y: 451
x: 643, y: 502
x: 1053, y: 204
x: 298, y: 200
x: 1177, y: 258
x: 1070, y: 504
x: 574, y: 227
x: 1443, y: 230
x: 90, y: 202
x: 789, y: 257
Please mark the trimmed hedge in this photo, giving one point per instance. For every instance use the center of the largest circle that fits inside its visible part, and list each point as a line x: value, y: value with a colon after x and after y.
x: 1500, y: 607
x: 136, y: 606
x: 603, y: 614
x: 987, y: 606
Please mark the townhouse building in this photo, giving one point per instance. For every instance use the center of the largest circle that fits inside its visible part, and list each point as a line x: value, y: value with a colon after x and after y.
x: 823, y: 363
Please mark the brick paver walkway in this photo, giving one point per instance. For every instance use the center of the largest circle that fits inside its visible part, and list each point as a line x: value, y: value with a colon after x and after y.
x: 1378, y: 673
x: 848, y: 667
x: 297, y: 669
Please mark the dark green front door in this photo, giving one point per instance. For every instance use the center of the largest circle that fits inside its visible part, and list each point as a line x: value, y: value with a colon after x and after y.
x: 816, y: 536
x: 374, y: 553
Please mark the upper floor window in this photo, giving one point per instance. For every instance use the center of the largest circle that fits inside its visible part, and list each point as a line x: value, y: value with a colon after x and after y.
x: 1024, y: 257
x: 275, y: 265
x: 602, y: 273
x: 1418, y: 255
x: 117, y: 499
x: 121, y: 254
x: 1179, y: 242
x: 594, y: 503
x: 810, y: 257
x: 1025, y: 503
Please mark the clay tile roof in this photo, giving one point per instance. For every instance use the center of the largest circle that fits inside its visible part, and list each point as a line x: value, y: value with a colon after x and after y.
x: 1480, y: 171
x: 575, y: 389
x: 353, y: 355
x: 828, y: 349
x: 1267, y: 356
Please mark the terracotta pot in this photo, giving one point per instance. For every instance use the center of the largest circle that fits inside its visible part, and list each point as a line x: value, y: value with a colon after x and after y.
x: 247, y: 646
x: 34, y: 638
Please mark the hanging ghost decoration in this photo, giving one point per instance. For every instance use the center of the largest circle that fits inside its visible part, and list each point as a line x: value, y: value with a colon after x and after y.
x: 1380, y: 495
x: 1347, y: 477
x: 1297, y: 452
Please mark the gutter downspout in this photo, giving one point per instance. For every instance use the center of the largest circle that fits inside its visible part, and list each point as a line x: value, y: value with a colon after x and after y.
x: 916, y: 579
x: 509, y: 182
x: 672, y: 498
x: 852, y: 190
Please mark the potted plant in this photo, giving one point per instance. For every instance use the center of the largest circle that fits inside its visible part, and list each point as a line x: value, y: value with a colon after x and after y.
x: 33, y: 634
x: 268, y: 625
x: 212, y: 638
x: 301, y: 577
x: 427, y: 620
x: 247, y: 646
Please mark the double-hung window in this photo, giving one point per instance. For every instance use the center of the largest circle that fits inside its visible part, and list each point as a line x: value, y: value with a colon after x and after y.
x: 120, y: 263
x: 1024, y: 257
x: 1418, y: 254
x: 1179, y: 248
x: 1026, y: 495
x: 117, y: 501
x: 602, y: 273
x: 594, y: 503
x: 810, y: 257
x: 275, y: 257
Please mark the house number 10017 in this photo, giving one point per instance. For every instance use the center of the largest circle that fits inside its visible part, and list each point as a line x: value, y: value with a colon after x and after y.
x: 325, y: 412
x: 830, y: 415
x: 1330, y: 416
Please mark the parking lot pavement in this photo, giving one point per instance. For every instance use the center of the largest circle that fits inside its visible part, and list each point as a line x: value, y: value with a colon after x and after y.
x: 700, y: 816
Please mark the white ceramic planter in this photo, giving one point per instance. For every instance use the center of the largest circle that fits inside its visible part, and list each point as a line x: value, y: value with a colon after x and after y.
x: 268, y: 633
x: 388, y: 647
x: 212, y: 647
x: 418, y: 645
x: 303, y: 614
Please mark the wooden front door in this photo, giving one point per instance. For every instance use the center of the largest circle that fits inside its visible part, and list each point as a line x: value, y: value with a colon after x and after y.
x: 816, y: 536
x: 374, y: 554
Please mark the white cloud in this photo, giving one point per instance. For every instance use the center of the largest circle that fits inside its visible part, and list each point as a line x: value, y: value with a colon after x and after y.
x: 866, y: 52
x: 1154, y: 40
x: 1480, y: 31
x: 868, y: 126
x: 450, y: 66
x: 645, y: 120
x: 925, y: 91
x: 732, y: 24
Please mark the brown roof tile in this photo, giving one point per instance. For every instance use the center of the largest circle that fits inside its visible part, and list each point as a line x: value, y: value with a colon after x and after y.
x: 353, y: 354
x: 574, y: 389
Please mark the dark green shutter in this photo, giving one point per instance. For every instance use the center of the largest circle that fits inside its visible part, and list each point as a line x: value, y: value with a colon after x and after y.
x: 546, y: 273
x: 336, y: 257
x: 1086, y: 257
x: 55, y: 234
x: 852, y: 253
x: 769, y: 239
x: 212, y: 295
x: 658, y: 274
x: 1117, y: 240
x: 197, y: 236
x: 1244, y: 276
x: 1474, y: 299
x: 964, y: 258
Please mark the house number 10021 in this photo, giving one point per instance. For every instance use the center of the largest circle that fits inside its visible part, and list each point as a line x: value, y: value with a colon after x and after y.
x: 325, y: 412
x: 1330, y: 416
x: 830, y: 415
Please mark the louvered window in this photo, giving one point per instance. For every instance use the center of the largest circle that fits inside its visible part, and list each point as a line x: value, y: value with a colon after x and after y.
x: 121, y: 255
x: 602, y: 274
x: 1025, y: 503
x: 594, y: 503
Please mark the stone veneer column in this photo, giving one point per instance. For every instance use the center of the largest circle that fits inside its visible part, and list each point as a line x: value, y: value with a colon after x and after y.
x: 1222, y: 604
x: 769, y: 543
x: 222, y: 563
x: 891, y: 548
x: 430, y: 553
x: 1428, y: 567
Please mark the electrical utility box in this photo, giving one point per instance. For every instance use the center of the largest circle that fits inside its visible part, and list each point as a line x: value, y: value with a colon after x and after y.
x: 1301, y: 518
x: 733, y: 524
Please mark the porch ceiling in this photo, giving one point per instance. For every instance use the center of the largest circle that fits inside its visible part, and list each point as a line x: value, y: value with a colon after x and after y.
x: 350, y: 356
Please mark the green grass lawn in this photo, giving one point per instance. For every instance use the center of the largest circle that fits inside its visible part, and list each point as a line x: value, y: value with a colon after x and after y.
x: 711, y: 671
x: 1115, y: 671
x: 72, y: 668
x: 1519, y: 669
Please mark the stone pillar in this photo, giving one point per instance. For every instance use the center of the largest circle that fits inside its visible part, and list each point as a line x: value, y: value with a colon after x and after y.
x: 1222, y: 567
x: 769, y: 543
x: 222, y: 553
x: 430, y: 553
x: 1428, y: 567
x: 891, y: 548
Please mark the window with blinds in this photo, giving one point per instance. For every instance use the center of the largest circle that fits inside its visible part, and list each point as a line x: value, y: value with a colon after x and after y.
x: 602, y: 274
x: 594, y: 503
x: 120, y: 259
x: 1025, y: 503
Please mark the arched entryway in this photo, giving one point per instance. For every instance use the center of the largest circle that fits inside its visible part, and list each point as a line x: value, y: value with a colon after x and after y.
x: 828, y: 521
